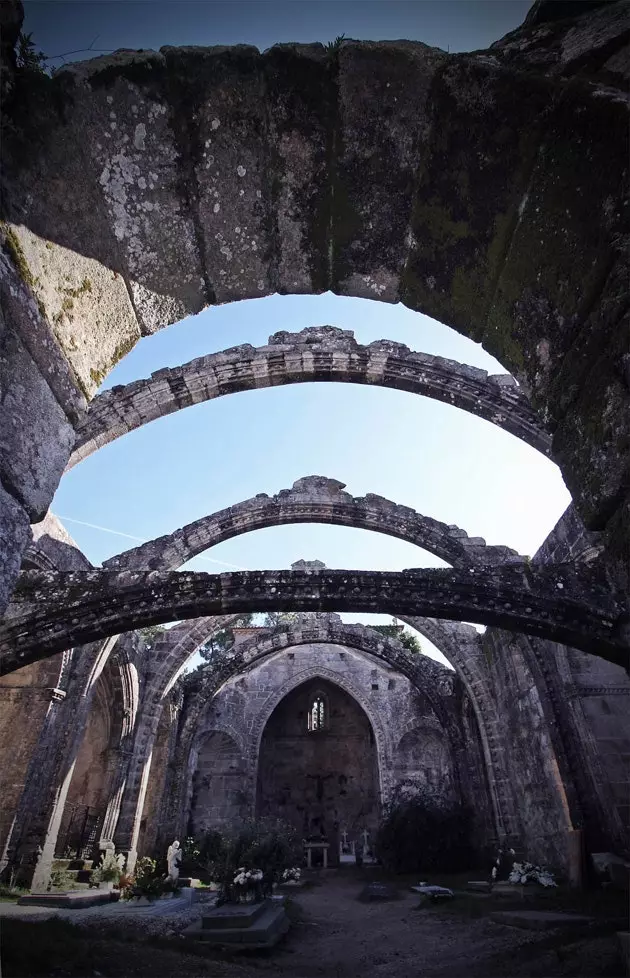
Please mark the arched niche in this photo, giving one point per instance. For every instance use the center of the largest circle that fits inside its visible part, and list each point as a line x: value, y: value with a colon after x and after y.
x: 319, y: 780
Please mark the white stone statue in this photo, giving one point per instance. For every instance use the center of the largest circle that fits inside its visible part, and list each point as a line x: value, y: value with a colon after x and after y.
x: 366, y: 840
x: 173, y: 859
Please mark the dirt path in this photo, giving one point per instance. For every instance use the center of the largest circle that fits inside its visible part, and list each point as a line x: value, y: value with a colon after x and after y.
x: 335, y: 935
x: 342, y: 936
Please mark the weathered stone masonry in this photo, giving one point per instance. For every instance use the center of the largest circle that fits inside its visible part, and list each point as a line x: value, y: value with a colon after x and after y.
x: 487, y: 190
x: 55, y: 610
x: 321, y: 353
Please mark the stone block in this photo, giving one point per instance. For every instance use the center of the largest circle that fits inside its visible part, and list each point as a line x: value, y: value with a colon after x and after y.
x: 15, y: 535
x: 72, y: 900
x: 87, y: 304
x: 36, y: 437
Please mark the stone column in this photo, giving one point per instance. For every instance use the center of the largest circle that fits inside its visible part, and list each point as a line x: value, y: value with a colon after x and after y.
x: 135, y: 788
x: 39, y: 765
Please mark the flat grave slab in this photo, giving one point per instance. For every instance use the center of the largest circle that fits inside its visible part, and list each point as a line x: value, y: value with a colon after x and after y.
x: 433, y: 893
x: 502, y: 888
x: 70, y: 900
x: 233, y: 915
x: 378, y: 892
x: 258, y: 925
x: 540, y: 919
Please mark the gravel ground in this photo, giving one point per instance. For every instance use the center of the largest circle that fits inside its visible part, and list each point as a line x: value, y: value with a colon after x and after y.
x: 334, y: 935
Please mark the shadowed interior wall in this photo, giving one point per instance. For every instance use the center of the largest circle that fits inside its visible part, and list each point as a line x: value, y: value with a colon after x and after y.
x: 219, y: 796
x: 25, y: 699
x: 322, y: 780
x: 92, y: 775
x: 423, y: 757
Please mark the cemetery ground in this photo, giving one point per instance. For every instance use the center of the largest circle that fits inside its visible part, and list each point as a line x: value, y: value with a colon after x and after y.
x: 333, y: 933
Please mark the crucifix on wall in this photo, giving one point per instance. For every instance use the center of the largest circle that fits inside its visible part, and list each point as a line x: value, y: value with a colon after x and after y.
x: 319, y: 788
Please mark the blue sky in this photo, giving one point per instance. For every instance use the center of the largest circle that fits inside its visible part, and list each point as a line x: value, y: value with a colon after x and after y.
x: 438, y: 460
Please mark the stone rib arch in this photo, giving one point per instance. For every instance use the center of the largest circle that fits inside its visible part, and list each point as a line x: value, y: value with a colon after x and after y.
x: 317, y: 193
x: 313, y: 499
x: 316, y: 354
x: 421, y: 671
x: 572, y: 605
x: 320, y: 629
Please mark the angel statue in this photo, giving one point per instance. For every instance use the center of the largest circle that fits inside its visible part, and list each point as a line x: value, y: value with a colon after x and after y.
x: 173, y: 859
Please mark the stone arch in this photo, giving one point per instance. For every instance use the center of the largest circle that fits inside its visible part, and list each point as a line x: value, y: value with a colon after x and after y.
x: 315, y: 192
x: 423, y: 673
x: 384, y: 747
x: 564, y: 603
x: 313, y: 499
x: 314, y: 354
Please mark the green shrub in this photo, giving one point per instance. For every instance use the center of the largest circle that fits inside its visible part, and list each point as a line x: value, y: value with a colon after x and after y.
x: 422, y: 831
x: 267, y: 844
x: 61, y: 880
x: 147, y: 882
x: 108, y: 871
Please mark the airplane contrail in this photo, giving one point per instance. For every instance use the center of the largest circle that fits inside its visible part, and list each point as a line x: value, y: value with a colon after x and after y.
x: 129, y: 536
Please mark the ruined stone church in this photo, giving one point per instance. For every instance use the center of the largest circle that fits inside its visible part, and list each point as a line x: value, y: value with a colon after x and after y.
x: 488, y: 190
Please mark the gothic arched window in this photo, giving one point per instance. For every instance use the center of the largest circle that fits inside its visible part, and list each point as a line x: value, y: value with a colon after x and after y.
x: 317, y: 714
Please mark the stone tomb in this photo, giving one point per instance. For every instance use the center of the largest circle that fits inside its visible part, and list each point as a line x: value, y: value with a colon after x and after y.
x: 254, y: 925
x: 71, y: 900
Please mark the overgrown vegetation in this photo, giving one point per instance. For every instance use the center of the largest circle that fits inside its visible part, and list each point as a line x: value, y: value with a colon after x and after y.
x: 148, y: 881
x: 422, y: 830
x: 223, y: 641
x: 268, y: 845
x: 151, y: 634
x: 406, y: 638
x: 27, y: 57
x: 333, y: 46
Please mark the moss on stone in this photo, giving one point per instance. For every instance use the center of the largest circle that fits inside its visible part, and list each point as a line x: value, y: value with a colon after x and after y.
x: 122, y: 349
x: 17, y: 256
x: 97, y: 376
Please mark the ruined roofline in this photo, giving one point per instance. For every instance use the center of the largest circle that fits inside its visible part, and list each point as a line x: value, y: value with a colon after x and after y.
x: 324, y: 354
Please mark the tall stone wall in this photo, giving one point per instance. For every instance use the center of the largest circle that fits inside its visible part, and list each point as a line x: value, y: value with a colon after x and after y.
x: 256, y: 725
x: 26, y: 697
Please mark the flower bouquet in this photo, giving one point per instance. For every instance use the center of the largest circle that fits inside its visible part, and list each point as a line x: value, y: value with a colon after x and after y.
x: 527, y: 872
x: 247, y: 885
